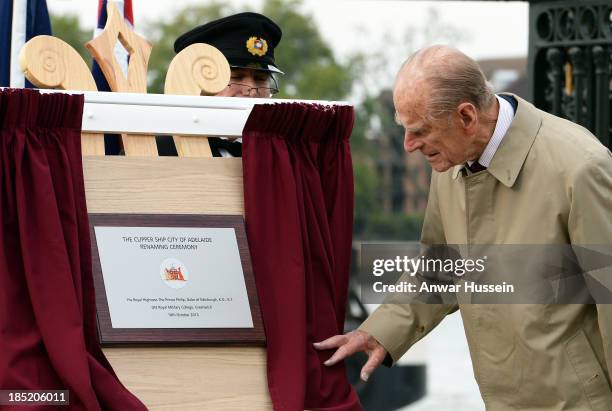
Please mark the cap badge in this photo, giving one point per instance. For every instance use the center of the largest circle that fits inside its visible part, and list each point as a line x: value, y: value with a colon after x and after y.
x: 257, y: 46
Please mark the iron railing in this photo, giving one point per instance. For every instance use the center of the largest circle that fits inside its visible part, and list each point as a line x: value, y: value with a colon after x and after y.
x: 570, y: 50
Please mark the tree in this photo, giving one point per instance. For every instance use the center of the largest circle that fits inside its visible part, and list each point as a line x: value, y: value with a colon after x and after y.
x: 68, y: 29
x: 163, y: 34
x: 311, y: 71
x: 378, y: 141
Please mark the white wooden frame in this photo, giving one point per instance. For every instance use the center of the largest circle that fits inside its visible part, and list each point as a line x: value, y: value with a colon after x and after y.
x: 160, y: 114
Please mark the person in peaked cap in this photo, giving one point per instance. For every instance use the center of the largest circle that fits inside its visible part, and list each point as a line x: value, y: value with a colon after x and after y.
x: 247, y: 40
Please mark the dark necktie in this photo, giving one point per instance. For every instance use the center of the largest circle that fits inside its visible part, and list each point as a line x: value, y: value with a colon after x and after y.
x: 475, y: 167
x: 233, y: 147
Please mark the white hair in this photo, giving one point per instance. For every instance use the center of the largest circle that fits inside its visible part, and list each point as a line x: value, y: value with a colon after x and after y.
x: 453, y: 77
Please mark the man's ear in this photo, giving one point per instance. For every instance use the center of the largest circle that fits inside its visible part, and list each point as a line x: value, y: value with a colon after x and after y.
x: 468, y: 116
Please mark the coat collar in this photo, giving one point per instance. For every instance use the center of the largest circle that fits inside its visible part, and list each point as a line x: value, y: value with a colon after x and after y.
x: 512, y: 152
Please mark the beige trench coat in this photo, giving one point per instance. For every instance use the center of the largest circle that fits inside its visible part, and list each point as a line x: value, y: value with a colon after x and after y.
x: 550, y: 182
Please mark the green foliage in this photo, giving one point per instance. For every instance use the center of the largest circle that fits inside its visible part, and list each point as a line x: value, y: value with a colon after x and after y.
x: 365, y: 199
x: 312, y: 72
x: 68, y: 29
x: 378, y: 141
x: 311, y: 69
x: 393, y: 227
x: 163, y: 34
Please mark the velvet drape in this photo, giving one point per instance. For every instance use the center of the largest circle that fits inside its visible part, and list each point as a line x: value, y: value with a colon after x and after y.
x: 298, y: 192
x: 48, y: 334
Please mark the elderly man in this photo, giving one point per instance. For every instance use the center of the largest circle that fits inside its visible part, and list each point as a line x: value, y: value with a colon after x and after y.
x: 505, y: 173
x: 247, y: 40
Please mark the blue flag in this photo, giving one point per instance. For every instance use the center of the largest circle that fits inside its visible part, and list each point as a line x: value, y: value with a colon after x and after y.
x: 20, y: 20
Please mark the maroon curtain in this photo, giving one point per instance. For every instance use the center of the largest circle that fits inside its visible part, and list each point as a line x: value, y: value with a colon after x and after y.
x: 48, y: 337
x: 298, y: 194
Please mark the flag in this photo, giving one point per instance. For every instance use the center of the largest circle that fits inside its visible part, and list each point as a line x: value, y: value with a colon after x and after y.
x: 125, y: 8
x: 20, y: 20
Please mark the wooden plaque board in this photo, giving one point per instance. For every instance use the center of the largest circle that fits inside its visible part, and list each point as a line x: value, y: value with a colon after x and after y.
x: 179, y: 378
x: 117, y: 336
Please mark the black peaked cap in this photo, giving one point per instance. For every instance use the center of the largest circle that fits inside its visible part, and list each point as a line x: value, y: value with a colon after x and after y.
x: 247, y: 40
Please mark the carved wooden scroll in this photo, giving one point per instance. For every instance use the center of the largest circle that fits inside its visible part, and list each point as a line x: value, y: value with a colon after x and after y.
x: 49, y: 62
x: 199, y: 69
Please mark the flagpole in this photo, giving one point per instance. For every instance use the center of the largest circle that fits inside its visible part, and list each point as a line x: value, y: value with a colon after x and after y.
x: 18, y: 38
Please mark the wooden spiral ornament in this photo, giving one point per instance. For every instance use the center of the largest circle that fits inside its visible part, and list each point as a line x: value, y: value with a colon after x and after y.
x: 45, y: 61
x: 48, y: 62
x: 199, y: 69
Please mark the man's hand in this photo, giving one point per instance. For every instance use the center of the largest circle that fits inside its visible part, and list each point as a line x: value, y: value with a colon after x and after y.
x: 350, y: 343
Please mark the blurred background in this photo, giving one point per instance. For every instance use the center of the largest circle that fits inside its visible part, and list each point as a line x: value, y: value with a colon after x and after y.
x: 345, y: 50
x: 350, y: 50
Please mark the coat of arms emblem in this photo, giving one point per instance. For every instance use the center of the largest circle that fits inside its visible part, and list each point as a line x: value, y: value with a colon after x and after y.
x: 257, y: 46
x: 174, y: 273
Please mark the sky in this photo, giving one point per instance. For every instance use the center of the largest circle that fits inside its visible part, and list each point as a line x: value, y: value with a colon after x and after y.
x: 363, y: 25
x: 375, y: 27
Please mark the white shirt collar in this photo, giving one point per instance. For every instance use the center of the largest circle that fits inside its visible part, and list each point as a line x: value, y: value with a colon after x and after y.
x: 504, y: 120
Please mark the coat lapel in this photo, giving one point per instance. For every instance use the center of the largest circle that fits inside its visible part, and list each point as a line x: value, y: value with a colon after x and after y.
x: 512, y: 152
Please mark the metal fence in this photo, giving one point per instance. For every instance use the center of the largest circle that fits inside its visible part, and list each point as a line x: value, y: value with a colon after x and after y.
x: 570, y: 50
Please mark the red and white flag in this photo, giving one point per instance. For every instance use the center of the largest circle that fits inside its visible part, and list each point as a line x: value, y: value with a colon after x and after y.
x: 125, y: 8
